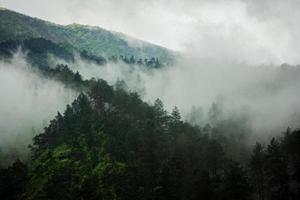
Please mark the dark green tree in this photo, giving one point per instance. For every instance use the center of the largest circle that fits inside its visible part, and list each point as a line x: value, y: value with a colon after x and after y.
x: 235, y: 184
x: 276, y: 170
x: 258, y: 171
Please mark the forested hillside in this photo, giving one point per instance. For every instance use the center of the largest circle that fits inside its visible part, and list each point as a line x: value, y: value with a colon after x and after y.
x: 112, y: 143
x: 109, y: 144
x: 39, y: 51
x: 94, y: 40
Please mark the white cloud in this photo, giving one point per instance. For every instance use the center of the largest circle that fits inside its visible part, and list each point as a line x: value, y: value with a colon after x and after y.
x: 28, y: 101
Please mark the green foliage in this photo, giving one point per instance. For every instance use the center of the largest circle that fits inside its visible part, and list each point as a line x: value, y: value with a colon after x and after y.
x: 275, y: 170
x: 94, y: 40
x: 109, y: 144
x: 112, y: 145
x: 13, y: 181
x: 257, y: 171
x: 235, y: 182
x: 38, y: 50
x: 151, y: 63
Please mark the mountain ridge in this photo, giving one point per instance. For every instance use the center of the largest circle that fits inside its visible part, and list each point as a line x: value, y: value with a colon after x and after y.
x: 93, y: 39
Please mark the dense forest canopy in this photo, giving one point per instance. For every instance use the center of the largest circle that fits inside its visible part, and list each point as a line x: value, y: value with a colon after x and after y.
x: 89, y: 115
x: 109, y: 144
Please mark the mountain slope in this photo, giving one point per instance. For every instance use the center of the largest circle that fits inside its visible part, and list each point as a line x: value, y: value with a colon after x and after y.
x: 95, y: 40
x: 38, y: 50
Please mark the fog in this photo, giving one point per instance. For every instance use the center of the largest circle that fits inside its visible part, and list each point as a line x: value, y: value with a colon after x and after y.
x: 266, y: 94
x: 231, y: 52
x: 28, y: 102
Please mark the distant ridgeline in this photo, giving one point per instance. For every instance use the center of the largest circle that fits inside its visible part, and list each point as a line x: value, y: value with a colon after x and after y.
x: 37, y: 52
x: 92, y: 42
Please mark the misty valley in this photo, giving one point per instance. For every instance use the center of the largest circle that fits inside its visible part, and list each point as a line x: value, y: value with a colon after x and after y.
x: 90, y: 113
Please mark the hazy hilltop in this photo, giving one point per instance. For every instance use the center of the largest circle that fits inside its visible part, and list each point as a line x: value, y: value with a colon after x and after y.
x: 94, y: 40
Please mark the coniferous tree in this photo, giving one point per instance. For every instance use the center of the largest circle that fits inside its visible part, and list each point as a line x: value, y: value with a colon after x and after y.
x: 235, y: 184
x: 276, y: 170
x: 258, y: 171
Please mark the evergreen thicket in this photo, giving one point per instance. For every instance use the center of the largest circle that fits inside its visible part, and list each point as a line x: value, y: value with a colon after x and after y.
x: 109, y: 144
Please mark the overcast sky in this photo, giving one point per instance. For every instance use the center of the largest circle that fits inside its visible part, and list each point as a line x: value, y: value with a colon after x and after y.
x: 255, y: 31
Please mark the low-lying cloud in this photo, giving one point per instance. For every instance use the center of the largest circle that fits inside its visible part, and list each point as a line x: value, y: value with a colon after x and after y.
x: 267, y: 95
x: 231, y: 53
x: 28, y: 102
